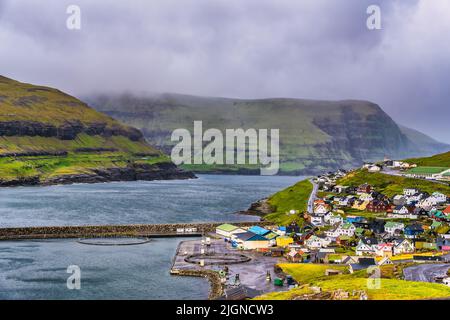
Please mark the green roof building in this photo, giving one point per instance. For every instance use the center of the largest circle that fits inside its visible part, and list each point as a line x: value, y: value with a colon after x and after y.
x: 227, y: 230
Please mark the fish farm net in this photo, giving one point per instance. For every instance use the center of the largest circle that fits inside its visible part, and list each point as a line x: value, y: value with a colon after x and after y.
x: 217, y: 259
x: 121, y: 241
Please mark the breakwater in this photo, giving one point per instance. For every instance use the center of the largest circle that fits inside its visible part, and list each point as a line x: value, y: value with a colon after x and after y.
x: 142, y: 230
x: 216, y: 290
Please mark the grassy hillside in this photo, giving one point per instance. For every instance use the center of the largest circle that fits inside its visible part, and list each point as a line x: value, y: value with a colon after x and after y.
x: 390, y: 185
x: 391, y: 287
x: 315, y: 136
x: 27, y: 102
x: 291, y: 198
x: 439, y: 160
x: 46, y: 134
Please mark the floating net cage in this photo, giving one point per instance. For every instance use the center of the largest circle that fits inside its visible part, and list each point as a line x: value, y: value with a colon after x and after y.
x: 217, y: 259
x: 114, y: 241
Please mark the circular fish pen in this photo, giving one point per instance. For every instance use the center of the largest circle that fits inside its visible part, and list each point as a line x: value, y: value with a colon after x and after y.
x: 217, y: 259
x: 114, y: 241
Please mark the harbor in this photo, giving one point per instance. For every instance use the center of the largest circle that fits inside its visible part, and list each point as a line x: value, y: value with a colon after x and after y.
x: 250, y: 271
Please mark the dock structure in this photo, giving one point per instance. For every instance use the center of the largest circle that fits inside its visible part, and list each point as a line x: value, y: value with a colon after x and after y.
x: 251, y: 271
x: 136, y: 230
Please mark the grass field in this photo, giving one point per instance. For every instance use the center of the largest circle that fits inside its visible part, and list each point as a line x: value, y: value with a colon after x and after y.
x: 439, y: 160
x: 391, y: 287
x: 292, y: 198
x: 391, y: 185
x: 427, y: 170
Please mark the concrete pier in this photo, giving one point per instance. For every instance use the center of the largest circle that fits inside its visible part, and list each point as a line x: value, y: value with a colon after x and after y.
x: 137, y: 230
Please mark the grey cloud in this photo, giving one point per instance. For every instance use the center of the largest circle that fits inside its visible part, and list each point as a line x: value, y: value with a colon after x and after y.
x: 240, y: 48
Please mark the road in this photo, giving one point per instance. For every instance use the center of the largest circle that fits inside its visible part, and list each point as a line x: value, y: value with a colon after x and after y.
x: 312, y: 197
x: 425, y: 272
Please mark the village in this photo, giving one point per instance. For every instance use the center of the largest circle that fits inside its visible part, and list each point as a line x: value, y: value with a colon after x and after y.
x: 358, y: 227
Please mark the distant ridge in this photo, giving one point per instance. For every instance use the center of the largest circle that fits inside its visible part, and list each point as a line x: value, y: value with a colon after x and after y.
x: 315, y: 136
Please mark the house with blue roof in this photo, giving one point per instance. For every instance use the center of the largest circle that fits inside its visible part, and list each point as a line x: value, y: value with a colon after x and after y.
x: 259, y: 230
x: 353, y: 219
x: 250, y: 241
x: 413, y: 230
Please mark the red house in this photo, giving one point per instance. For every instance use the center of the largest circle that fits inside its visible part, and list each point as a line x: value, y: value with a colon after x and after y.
x: 378, y: 206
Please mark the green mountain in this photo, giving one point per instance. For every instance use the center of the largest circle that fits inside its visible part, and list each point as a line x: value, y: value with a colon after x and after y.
x: 47, y: 137
x: 315, y: 136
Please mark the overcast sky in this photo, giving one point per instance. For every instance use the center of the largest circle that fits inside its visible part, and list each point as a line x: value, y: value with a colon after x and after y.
x: 240, y: 48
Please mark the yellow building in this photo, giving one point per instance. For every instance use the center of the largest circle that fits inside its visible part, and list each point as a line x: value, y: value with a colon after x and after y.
x: 360, y: 205
x: 284, y: 241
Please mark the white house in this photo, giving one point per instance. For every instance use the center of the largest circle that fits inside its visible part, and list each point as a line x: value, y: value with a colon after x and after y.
x: 321, y: 208
x: 397, y: 164
x: 374, y: 169
x: 343, y: 229
x: 333, y: 218
x: 317, y: 219
x: 427, y: 203
x: 401, y: 210
x: 410, y: 191
x: 366, y: 246
x: 315, y: 242
x: 393, y: 227
x: 414, y: 198
x: 440, y: 197
x: 402, y: 246
x: 347, y: 229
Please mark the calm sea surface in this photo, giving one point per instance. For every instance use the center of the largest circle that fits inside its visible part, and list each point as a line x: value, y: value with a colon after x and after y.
x: 37, y: 269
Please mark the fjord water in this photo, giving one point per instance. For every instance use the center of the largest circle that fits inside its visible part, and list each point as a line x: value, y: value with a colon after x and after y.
x: 37, y: 269
x: 208, y: 198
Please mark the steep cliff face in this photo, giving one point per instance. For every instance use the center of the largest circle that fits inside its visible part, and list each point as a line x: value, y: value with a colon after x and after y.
x: 69, y: 130
x: 364, y: 137
x: 49, y: 137
x: 314, y: 135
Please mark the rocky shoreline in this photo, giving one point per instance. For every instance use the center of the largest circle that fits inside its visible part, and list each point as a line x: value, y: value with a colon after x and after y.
x: 133, y: 172
x: 259, y: 208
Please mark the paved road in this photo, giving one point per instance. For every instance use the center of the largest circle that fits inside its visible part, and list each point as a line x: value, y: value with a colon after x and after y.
x: 426, y: 272
x: 312, y: 197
